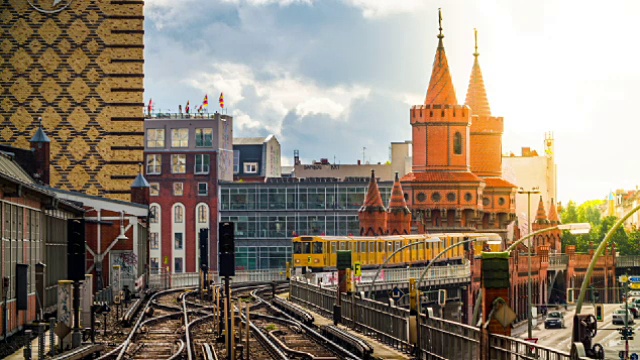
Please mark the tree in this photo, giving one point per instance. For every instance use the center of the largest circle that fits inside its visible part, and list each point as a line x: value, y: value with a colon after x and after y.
x: 570, y: 213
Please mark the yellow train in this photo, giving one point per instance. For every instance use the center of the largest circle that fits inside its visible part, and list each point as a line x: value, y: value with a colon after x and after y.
x: 319, y: 253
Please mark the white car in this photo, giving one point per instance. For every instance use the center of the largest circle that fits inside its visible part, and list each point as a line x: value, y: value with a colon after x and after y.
x: 620, y: 315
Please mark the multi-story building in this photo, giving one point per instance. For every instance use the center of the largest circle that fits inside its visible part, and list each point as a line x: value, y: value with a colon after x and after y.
x: 256, y: 159
x: 267, y: 215
x: 79, y: 66
x: 186, y: 156
x: 530, y: 170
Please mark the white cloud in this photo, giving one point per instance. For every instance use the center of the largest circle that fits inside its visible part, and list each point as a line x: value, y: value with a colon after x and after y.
x: 269, y: 2
x: 381, y: 8
x: 243, y: 121
x: 273, y: 92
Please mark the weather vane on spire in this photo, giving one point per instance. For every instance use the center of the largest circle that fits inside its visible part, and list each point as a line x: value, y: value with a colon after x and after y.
x: 475, y: 34
x: 440, y: 22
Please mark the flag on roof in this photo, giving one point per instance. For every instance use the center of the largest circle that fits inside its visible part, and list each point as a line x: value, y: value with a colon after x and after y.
x: 205, y: 102
x: 150, y: 106
x: 186, y: 110
x: 200, y: 109
x: 221, y: 100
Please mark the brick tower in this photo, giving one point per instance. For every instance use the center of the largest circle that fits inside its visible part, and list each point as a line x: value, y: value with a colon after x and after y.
x: 498, y: 201
x: 443, y: 193
x: 372, y: 214
x: 399, y: 216
x: 78, y: 64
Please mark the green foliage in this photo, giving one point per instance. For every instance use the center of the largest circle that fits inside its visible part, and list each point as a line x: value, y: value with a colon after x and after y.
x: 627, y: 243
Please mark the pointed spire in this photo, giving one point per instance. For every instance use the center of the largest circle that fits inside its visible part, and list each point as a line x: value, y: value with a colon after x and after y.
x: 140, y: 181
x: 553, y: 214
x: 476, y: 94
x: 40, y: 136
x: 541, y: 215
x: 440, y: 90
x: 397, y: 202
x: 373, y: 200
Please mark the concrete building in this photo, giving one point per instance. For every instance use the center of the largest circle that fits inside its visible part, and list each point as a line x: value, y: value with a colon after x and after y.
x: 529, y: 170
x: 78, y: 65
x: 186, y: 156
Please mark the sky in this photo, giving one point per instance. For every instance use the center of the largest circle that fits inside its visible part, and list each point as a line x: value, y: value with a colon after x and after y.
x: 331, y: 77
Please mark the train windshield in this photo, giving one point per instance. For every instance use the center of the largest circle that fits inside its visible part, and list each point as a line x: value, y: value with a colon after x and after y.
x: 302, y: 248
x: 317, y: 248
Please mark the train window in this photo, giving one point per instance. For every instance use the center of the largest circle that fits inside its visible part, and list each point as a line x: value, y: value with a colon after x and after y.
x: 372, y: 246
x: 333, y: 247
x: 397, y: 245
x: 306, y: 248
x: 317, y: 248
x: 380, y: 246
x: 363, y: 247
x: 343, y: 245
x: 389, y: 247
x: 297, y: 248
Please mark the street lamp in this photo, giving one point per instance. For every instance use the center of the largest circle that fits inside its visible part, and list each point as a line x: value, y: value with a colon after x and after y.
x: 574, y: 228
x: 534, y: 190
x: 426, y: 241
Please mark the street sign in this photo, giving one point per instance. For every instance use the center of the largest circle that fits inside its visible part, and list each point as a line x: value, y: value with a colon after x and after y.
x: 357, y: 269
x: 623, y: 278
x: 532, y: 349
x: 634, y: 356
x: 634, y: 286
x: 634, y: 279
x: 396, y: 293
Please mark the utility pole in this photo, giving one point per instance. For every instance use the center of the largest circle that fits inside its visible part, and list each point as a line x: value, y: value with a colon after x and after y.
x: 533, y: 190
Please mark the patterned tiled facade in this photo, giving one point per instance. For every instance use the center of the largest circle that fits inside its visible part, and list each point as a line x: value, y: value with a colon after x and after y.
x: 79, y: 65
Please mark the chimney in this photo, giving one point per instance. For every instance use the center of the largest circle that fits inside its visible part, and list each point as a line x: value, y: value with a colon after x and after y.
x: 40, y: 145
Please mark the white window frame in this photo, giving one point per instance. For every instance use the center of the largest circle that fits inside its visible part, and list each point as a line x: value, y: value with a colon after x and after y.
x: 247, y: 166
x: 202, y: 134
x: 200, y: 161
x: 154, y: 240
x: 154, y: 164
x: 154, y: 189
x: 175, y: 241
x: 178, y: 188
x: 178, y: 163
x: 206, y: 189
x: 202, y: 213
x: 236, y: 161
x: 180, y: 138
x: 155, y: 138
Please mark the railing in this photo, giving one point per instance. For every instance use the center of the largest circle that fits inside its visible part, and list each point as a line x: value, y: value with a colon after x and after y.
x: 104, y: 295
x: 166, y: 280
x: 193, y: 114
x: 558, y: 261
x: 628, y: 261
x: 439, y: 339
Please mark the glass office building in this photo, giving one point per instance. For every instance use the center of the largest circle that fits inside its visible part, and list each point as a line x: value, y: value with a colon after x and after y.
x: 267, y: 215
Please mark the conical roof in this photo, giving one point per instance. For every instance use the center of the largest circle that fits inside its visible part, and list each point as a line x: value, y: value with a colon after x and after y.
x: 373, y: 200
x: 397, y: 201
x: 476, y: 93
x: 140, y: 182
x: 553, y: 214
x: 541, y: 215
x: 440, y: 90
x: 40, y: 137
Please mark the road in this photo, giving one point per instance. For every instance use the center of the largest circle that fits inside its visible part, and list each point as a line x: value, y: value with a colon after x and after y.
x: 607, y: 335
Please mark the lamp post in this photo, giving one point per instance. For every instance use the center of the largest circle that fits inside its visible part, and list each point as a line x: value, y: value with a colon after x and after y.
x: 533, y: 190
x: 425, y: 242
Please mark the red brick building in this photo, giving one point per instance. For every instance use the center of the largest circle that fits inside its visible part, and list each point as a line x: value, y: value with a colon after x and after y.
x: 186, y: 155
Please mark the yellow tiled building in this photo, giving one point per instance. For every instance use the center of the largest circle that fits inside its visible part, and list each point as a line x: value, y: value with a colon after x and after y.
x: 78, y: 65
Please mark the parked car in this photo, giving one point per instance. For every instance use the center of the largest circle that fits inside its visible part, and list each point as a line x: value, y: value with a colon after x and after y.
x: 635, y: 311
x: 620, y: 315
x: 554, y: 319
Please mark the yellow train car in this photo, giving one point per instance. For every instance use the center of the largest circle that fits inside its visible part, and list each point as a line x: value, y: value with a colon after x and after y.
x: 319, y: 253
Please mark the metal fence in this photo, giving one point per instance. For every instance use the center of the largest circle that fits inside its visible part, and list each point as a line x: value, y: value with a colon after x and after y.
x: 104, y: 295
x: 627, y: 261
x: 165, y: 280
x: 439, y: 338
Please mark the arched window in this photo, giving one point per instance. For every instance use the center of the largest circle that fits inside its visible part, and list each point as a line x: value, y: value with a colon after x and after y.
x: 178, y: 214
x: 457, y: 143
x: 202, y: 214
x: 154, y: 214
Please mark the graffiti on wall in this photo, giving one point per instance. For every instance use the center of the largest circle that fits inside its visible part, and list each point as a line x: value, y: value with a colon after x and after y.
x: 128, y: 262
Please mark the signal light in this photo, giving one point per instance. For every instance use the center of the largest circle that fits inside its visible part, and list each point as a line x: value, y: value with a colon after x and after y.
x: 600, y: 313
x: 442, y: 297
x: 570, y: 296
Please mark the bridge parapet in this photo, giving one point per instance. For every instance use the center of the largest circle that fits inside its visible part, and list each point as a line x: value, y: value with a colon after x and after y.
x: 626, y: 261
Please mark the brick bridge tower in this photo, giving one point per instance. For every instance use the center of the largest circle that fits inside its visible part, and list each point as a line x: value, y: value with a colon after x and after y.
x: 498, y: 201
x: 442, y: 192
x: 373, y: 214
